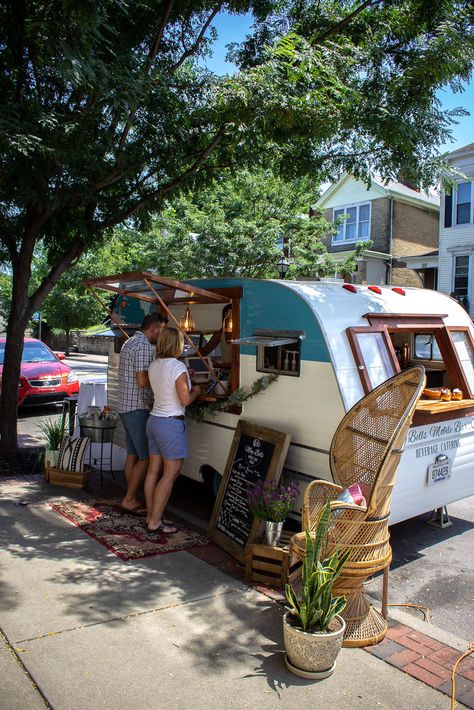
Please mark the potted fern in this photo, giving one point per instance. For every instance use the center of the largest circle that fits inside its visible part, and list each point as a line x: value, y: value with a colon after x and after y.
x: 312, y: 627
x: 53, y: 431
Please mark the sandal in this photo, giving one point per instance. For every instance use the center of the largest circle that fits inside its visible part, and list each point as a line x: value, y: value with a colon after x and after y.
x: 164, y: 529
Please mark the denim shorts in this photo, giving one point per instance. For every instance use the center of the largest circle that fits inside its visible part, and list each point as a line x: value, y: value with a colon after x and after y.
x: 167, y: 437
x: 134, y: 424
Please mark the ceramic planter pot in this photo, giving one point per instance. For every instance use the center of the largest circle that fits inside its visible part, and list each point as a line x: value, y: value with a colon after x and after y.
x: 312, y: 655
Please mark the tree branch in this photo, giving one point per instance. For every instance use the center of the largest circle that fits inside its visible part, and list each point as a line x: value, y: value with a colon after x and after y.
x: 188, y: 52
x: 345, y: 20
x: 71, y: 255
x: 160, y: 192
x: 151, y: 58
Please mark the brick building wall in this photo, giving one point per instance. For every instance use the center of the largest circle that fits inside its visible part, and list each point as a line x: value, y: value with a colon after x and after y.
x: 415, y: 231
x: 380, y: 225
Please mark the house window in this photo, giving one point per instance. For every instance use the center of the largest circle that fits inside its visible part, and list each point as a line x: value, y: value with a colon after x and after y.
x: 463, y: 203
x: 461, y: 277
x: 355, y: 224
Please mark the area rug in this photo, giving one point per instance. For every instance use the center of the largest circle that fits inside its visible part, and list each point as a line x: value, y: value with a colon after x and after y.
x: 124, y: 534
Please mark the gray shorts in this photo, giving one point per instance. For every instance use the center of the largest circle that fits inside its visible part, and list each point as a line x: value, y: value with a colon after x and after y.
x: 134, y: 424
x: 167, y: 437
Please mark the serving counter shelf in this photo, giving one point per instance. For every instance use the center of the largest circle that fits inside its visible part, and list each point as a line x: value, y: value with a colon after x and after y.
x: 435, y: 406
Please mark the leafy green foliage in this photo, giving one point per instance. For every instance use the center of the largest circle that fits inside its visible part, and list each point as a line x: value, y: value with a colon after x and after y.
x: 315, y: 607
x: 198, y: 412
x: 53, y: 431
x: 233, y: 227
x: 238, y: 225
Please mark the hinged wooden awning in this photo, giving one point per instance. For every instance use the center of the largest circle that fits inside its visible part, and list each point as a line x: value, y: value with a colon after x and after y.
x: 146, y: 286
x: 137, y: 285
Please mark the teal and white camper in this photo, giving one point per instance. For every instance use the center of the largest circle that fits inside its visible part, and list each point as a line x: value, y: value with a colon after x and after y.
x: 329, y: 343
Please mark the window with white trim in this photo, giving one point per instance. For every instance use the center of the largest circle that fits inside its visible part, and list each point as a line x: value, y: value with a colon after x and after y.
x: 355, y: 224
x: 461, y: 268
x: 463, y: 203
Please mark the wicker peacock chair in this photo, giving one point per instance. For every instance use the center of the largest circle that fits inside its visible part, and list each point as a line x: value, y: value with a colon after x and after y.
x: 365, y: 449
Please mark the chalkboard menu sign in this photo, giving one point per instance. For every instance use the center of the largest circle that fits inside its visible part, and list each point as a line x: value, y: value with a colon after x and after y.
x: 256, y: 454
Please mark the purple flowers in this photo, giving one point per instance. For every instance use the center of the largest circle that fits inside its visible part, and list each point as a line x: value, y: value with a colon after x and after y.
x: 272, y: 501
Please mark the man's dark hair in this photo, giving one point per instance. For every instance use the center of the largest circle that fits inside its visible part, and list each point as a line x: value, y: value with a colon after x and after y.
x: 151, y: 319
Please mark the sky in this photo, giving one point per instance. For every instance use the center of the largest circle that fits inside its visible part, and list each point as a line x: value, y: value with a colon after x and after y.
x: 233, y: 28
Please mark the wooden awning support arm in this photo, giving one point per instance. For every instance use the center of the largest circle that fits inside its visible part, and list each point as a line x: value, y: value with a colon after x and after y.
x: 111, y: 315
x: 186, y: 336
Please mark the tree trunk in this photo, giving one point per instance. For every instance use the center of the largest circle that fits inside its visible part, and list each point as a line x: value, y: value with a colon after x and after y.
x: 17, y: 323
x: 66, y: 352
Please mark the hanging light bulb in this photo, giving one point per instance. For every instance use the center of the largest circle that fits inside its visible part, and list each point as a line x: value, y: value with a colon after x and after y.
x: 187, y: 322
x: 228, y: 322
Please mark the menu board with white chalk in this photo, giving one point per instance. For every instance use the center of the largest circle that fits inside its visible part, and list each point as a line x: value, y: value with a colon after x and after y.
x: 257, y: 454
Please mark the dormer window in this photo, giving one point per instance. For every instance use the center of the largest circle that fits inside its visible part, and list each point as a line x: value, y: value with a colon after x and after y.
x: 355, y: 223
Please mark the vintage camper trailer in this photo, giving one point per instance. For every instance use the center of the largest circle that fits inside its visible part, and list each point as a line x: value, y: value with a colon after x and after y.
x: 329, y: 343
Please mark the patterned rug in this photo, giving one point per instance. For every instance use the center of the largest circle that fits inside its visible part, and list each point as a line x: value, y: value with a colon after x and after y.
x: 124, y: 534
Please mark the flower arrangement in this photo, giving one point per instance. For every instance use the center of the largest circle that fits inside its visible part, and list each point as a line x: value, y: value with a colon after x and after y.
x: 272, y: 501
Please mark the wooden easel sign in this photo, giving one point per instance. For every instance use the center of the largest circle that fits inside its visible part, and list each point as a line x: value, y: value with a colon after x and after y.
x: 257, y: 454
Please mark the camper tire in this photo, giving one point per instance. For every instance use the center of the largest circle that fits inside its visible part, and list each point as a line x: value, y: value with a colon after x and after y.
x: 212, y: 479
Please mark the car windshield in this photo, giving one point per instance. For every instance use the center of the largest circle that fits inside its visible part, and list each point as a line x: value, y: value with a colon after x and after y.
x: 36, y: 352
x: 32, y: 352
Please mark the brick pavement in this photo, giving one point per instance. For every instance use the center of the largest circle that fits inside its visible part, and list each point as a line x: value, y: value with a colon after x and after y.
x: 428, y: 660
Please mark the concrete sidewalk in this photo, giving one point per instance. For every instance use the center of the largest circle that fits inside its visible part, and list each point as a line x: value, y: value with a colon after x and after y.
x: 83, y: 629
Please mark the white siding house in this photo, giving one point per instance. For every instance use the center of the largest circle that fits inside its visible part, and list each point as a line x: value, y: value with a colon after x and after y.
x: 456, y: 239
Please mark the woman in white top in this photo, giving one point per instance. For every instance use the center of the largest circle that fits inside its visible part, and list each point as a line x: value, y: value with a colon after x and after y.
x: 166, y: 431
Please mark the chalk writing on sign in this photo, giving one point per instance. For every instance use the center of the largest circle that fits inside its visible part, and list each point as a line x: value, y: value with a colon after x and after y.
x: 250, y: 465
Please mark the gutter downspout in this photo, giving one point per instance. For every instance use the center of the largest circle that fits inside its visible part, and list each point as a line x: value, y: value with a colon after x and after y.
x: 390, y: 243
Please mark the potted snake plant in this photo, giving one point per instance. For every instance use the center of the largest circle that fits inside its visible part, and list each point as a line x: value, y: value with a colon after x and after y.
x: 53, y: 432
x: 312, y: 627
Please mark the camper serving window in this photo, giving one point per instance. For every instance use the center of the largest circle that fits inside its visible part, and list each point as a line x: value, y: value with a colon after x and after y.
x: 393, y: 342
x: 278, y: 351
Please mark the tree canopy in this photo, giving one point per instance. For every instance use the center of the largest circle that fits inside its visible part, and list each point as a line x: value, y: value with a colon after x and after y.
x: 239, y: 225
x: 105, y: 112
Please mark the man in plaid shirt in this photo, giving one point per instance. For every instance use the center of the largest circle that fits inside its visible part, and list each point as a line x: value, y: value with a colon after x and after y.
x: 136, y: 401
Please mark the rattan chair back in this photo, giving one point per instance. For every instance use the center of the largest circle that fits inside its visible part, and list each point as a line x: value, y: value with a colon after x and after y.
x: 368, y: 442
x: 365, y: 449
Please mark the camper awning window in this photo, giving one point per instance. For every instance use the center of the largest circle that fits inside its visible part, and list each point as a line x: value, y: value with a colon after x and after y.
x: 271, y: 338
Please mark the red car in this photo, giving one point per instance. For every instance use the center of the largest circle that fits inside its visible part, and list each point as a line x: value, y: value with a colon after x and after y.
x: 43, y: 377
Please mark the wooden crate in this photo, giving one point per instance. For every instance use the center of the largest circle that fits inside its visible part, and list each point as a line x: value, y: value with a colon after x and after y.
x: 271, y: 565
x: 69, y: 479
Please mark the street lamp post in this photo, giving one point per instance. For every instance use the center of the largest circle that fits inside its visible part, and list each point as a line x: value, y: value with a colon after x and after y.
x: 282, y: 266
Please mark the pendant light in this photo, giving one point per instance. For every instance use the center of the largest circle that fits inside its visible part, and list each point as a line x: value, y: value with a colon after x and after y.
x: 187, y: 322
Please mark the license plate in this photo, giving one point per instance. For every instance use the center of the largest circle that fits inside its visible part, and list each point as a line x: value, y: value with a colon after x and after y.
x: 439, y: 472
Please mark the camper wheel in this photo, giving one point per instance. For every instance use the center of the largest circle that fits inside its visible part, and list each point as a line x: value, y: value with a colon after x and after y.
x: 212, y: 479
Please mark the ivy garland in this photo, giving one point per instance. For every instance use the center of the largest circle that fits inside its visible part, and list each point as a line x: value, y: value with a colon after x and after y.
x: 198, y: 412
